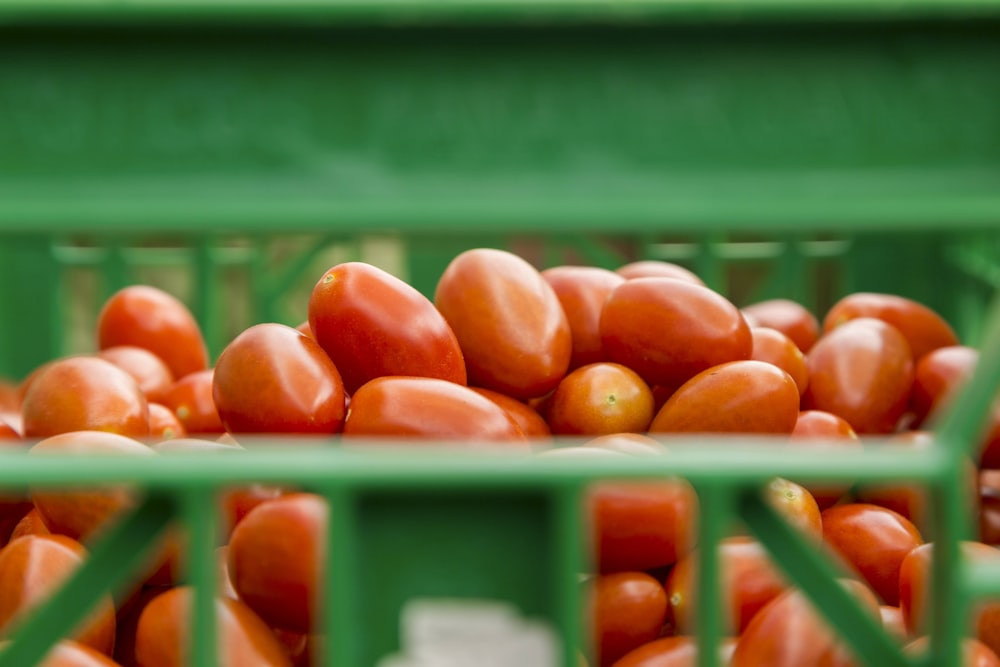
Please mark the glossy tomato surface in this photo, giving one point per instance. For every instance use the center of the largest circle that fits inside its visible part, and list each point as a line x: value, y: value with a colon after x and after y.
x: 735, y: 397
x: 923, y: 329
x: 600, y: 399
x: 149, y: 371
x: 832, y: 432
x: 372, y: 324
x: 789, y: 317
x: 674, y: 652
x: 797, y: 506
x: 526, y: 417
x: 776, y: 348
x: 582, y: 291
x: 669, y: 330
x: 155, y: 320
x: 164, y: 424
x: 272, y: 379
x: 191, y: 400
x: 84, y: 394
x: 628, y: 609
x: 861, y: 371
x: 937, y: 376
x: 508, y: 320
x: 426, y: 409
x: 652, y: 268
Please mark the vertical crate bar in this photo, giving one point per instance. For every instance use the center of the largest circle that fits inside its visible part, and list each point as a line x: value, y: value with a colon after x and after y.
x: 715, y: 501
x: 339, y: 608
x: 569, y: 563
x: 199, y: 509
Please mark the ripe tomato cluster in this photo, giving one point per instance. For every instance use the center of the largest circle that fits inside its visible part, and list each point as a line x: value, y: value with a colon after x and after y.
x: 505, y: 356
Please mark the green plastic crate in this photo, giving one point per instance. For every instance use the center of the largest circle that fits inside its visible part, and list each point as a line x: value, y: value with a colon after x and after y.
x: 779, y: 148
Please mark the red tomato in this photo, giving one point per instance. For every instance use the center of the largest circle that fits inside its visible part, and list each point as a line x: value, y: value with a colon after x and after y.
x: 14, y: 504
x: 735, y: 397
x: 164, y: 424
x: 796, y: 505
x: 788, y: 632
x: 272, y: 379
x: 923, y: 329
x: 289, y: 531
x: 509, y: 322
x: 32, y: 568
x: 162, y: 637
x: 152, y: 319
x: 305, y: 329
x: 627, y: 610
x: 748, y: 581
x: 914, y: 592
x: 31, y: 523
x: 84, y: 394
x: 938, y: 374
x: 225, y: 582
x: 237, y: 503
x: 641, y: 526
x: 651, y: 268
x: 148, y: 370
x: 874, y: 541
x: 373, y: 324
x: 817, y: 424
x: 673, y: 652
x: 892, y: 621
x: 526, y: 417
x: 128, y: 623
x: 788, y: 317
x: 974, y: 653
x: 424, y: 408
x: 582, y: 291
x: 669, y: 330
x: 78, y: 513
x: 600, y: 399
x: 776, y: 348
x: 191, y: 400
x: 861, y: 371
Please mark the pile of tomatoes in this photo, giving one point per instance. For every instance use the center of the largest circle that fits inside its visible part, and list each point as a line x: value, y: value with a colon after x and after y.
x: 505, y: 356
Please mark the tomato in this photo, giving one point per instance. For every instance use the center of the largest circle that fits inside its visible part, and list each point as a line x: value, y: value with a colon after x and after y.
x: 305, y: 329
x: 652, y: 268
x: 990, y: 449
x: 748, y: 581
x: 526, y: 417
x: 147, y: 369
x: 914, y: 592
x: 272, y: 379
x: 989, y: 513
x: 424, y: 408
x: 874, y: 541
x: 85, y: 394
x: 224, y: 580
x: 817, y: 424
x: 892, y: 621
x: 627, y: 610
x: 164, y: 424
x: 937, y: 375
x: 796, y: 505
x: 128, y: 623
x: 79, y: 513
x: 673, y: 652
x: 599, y: 399
x: 32, y: 568
x: 735, y: 397
x: 790, y: 318
x: 641, y: 526
x: 163, y: 635
x: 788, y: 632
x: 31, y: 523
x: 191, y: 400
x: 776, y: 348
x: 974, y: 653
x: 373, y: 324
x: 669, y: 330
x: 582, y: 291
x: 237, y: 503
x: 861, y: 371
x: 923, y: 329
x: 276, y: 555
x: 509, y: 322
x: 152, y: 319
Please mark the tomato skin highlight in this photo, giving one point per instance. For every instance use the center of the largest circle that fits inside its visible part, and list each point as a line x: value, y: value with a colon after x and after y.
x: 526, y: 417
x: 582, y: 291
x: 776, y: 348
x: 372, y: 324
x: 790, y: 318
x: 628, y: 609
x: 601, y: 399
x: 669, y: 330
x: 508, y: 320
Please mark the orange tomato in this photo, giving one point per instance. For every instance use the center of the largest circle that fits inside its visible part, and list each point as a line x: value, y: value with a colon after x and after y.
x: 627, y: 610
x: 817, y: 424
x: 191, y: 400
x: 526, y: 417
x: 652, y: 268
x: 776, y: 348
x: 601, y: 398
x: 582, y: 291
x: 148, y: 370
x: 788, y: 317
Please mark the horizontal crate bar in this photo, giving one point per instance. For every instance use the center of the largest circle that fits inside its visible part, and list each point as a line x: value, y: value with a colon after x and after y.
x: 743, y: 461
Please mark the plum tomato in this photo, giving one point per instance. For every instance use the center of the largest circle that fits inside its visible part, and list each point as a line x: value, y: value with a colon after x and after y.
x: 861, y: 371
x: 600, y: 399
x: 582, y: 291
x: 923, y: 329
x: 674, y: 652
x: 526, y: 417
x: 627, y: 610
x: 31, y: 523
x: 892, y: 621
x: 796, y: 505
x: 155, y: 320
x: 734, y: 397
x: 272, y: 379
x: 817, y: 424
x: 372, y: 324
x: 164, y: 424
x: 84, y: 394
x: 508, y: 320
x: 668, y: 330
x: 789, y: 317
x: 149, y: 371
x: 653, y: 268
x: 974, y: 652
x: 191, y: 400
x: 776, y: 348
x: 936, y: 377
